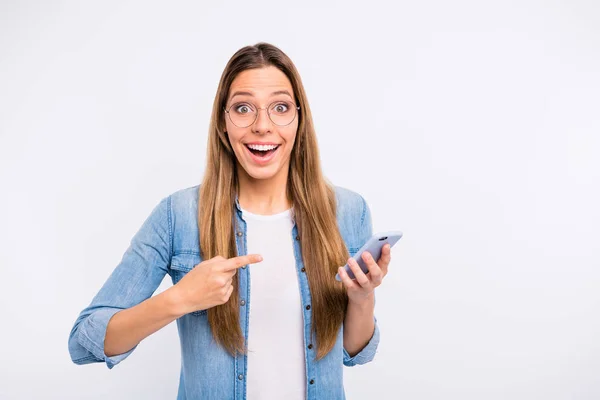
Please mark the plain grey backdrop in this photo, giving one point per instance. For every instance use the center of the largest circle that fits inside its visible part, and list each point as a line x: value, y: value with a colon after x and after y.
x: 474, y: 127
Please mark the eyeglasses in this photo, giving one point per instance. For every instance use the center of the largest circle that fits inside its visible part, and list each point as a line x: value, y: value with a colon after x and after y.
x: 244, y: 114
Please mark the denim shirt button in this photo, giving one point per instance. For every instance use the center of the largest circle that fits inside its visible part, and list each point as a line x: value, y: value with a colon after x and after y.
x: 303, y: 269
x: 297, y: 237
x: 243, y: 267
x: 240, y: 377
x: 308, y: 307
x: 243, y: 302
x: 310, y: 346
x: 239, y: 233
x: 312, y: 381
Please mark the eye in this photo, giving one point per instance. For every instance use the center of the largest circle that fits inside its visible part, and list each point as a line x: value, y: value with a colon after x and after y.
x: 281, y: 107
x: 243, y: 108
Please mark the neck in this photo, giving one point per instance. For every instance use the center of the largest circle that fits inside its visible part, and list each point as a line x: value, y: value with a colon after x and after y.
x: 263, y: 196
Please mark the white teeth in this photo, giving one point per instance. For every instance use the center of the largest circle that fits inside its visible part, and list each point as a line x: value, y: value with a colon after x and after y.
x: 262, y: 147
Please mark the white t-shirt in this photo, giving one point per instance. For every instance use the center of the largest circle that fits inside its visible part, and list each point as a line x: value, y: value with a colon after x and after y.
x: 276, y: 363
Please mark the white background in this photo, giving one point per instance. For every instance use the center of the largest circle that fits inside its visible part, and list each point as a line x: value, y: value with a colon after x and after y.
x: 474, y: 127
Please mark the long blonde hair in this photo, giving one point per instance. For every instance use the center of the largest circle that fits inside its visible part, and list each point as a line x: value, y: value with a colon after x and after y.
x: 313, y: 200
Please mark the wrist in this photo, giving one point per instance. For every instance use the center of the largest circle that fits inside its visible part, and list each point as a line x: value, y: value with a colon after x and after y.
x: 174, y: 302
x: 364, y: 303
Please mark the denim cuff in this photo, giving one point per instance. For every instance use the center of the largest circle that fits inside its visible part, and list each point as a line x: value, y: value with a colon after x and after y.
x: 93, y: 332
x: 367, y: 353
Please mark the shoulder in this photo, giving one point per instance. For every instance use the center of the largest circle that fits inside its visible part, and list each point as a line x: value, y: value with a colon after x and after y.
x: 349, y: 202
x: 184, y: 220
x: 185, y: 199
x: 353, y: 218
x: 184, y: 205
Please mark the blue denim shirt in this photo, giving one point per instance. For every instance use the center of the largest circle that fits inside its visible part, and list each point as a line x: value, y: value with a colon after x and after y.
x: 167, y: 243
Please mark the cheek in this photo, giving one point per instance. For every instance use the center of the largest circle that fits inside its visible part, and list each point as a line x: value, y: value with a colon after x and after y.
x: 290, y: 136
x: 236, y: 145
x: 234, y: 135
x: 229, y: 127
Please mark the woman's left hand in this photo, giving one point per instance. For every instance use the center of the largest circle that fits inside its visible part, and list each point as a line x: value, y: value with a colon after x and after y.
x: 361, y: 289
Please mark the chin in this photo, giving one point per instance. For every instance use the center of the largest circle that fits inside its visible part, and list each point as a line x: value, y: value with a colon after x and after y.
x: 267, y: 171
x: 264, y: 174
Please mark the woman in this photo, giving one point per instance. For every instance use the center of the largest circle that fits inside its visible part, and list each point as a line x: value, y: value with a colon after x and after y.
x: 252, y: 253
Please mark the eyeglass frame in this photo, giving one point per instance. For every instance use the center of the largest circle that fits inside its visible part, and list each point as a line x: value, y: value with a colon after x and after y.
x: 258, y: 110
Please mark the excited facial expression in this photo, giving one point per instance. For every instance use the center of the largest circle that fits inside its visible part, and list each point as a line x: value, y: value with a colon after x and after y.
x: 263, y: 147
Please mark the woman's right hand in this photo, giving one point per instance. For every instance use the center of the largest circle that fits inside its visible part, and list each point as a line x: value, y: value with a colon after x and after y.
x: 209, y: 283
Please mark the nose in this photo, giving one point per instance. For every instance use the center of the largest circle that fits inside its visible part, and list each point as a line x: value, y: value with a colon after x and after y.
x: 263, y: 123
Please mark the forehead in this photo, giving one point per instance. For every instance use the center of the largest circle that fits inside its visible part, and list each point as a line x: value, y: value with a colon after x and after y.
x: 261, y: 82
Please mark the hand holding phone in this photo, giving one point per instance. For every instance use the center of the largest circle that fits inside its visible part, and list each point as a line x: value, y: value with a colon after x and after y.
x: 373, y: 246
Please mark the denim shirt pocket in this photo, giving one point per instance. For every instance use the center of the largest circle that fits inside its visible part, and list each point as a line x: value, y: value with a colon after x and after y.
x: 181, y: 264
x: 353, y: 250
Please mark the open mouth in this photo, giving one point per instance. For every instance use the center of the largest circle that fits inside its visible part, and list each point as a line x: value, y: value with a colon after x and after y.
x: 262, y: 152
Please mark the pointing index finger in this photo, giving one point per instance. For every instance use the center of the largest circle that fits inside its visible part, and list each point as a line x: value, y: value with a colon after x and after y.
x: 240, y: 261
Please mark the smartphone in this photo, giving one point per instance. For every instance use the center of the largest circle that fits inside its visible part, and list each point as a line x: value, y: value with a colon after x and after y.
x: 373, y: 246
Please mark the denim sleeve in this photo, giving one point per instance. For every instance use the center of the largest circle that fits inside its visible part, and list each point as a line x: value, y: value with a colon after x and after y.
x: 136, y: 277
x: 365, y: 231
x: 365, y: 228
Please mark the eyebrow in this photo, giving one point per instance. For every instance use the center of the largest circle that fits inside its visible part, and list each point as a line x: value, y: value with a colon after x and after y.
x: 240, y: 93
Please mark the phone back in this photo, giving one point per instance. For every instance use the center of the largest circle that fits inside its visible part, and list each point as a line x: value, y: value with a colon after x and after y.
x: 374, y: 246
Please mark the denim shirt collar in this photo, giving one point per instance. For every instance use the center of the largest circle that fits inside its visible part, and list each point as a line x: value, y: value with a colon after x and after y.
x: 237, y: 204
